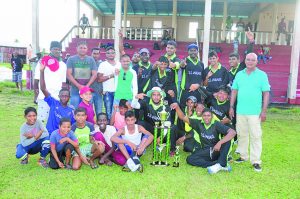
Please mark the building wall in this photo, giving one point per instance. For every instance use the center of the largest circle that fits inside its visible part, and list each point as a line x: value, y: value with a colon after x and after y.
x: 264, y: 20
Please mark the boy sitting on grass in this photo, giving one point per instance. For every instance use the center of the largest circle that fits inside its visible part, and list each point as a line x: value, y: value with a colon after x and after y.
x: 86, y: 97
x: 88, y: 147
x: 58, y: 109
x: 63, y: 142
x: 34, y: 138
x: 132, y: 142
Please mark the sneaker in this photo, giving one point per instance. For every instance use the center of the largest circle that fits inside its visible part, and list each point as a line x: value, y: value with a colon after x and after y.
x: 227, y: 168
x: 240, y: 160
x: 43, y: 163
x: 125, y: 168
x: 237, y: 151
x: 214, y: 168
x: 24, y: 161
x: 257, y: 167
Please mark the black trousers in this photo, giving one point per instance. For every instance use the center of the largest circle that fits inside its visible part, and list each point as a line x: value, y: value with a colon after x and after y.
x: 189, y: 143
x: 202, y: 158
x: 61, y: 156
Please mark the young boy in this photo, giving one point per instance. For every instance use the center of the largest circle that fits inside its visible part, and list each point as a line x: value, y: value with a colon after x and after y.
x: 118, y: 117
x: 63, y: 142
x: 34, y: 138
x: 88, y: 147
x: 58, y: 109
x: 132, y: 142
x: 86, y: 97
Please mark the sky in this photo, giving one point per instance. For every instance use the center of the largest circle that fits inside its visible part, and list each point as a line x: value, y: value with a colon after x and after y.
x: 56, y: 19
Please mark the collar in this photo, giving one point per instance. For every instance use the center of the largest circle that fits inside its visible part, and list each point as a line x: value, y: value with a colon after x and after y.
x: 171, y: 57
x: 141, y: 64
x: 234, y: 70
x: 208, y: 126
x: 194, y: 62
x: 221, y: 103
x: 245, y: 71
x: 161, y: 75
x: 57, y: 58
x: 155, y: 107
x: 215, y: 70
x: 193, y: 115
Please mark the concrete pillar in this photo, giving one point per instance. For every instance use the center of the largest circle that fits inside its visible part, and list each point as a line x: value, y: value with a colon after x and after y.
x: 78, y: 16
x: 174, y: 19
x: 207, y: 16
x: 274, y: 22
x: 125, y: 18
x: 292, y: 87
x: 35, y: 27
x: 224, y: 21
x: 118, y: 20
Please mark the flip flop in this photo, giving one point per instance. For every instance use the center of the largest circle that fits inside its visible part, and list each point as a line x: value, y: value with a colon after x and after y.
x: 93, y: 165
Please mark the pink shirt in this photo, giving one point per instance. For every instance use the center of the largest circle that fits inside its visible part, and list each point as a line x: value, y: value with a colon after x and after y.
x: 89, y: 111
x: 119, y: 121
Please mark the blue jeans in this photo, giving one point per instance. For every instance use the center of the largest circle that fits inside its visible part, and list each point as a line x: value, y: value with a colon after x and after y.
x: 98, y: 102
x: 41, y: 145
x: 108, y: 99
x: 75, y: 98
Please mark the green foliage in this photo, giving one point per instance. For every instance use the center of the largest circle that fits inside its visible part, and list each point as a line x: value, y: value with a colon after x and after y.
x: 280, y: 177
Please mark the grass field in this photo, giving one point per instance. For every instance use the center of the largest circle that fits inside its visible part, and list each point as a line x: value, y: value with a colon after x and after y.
x: 280, y: 177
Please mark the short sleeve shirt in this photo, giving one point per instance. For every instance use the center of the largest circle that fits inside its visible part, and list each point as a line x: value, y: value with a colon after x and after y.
x: 107, y: 69
x: 209, y: 135
x: 219, y: 78
x: 83, y: 134
x: 82, y: 68
x: 89, y: 111
x: 33, y: 129
x: 56, y: 112
x: 56, y: 136
x: 250, y: 88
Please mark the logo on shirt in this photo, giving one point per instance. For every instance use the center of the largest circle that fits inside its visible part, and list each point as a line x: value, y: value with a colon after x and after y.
x: 194, y: 73
x: 215, y: 79
x: 209, y: 137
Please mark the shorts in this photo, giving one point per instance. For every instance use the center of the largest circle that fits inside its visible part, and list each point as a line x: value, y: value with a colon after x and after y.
x: 17, y: 76
x: 86, y: 150
x: 129, y: 150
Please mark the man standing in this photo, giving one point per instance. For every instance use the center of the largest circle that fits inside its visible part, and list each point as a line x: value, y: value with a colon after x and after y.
x: 81, y: 71
x: 106, y: 75
x: 97, y: 86
x: 250, y: 86
x: 55, y: 77
x: 17, y: 65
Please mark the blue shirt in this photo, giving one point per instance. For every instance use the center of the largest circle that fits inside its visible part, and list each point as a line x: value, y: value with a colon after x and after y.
x: 56, y: 136
x: 250, y: 88
x: 56, y: 112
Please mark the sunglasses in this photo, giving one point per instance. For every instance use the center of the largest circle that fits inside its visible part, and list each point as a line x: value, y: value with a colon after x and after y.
x: 110, y: 53
x: 124, y: 76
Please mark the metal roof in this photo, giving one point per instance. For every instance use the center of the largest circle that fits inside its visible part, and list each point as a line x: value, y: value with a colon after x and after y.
x: 241, y: 8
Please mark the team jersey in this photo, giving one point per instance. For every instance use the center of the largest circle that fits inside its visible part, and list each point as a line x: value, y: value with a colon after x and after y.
x: 218, y: 79
x: 144, y: 78
x: 192, y: 73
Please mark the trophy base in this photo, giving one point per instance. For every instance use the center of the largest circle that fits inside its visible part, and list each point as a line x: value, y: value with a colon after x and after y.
x: 176, y: 164
x: 159, y: 164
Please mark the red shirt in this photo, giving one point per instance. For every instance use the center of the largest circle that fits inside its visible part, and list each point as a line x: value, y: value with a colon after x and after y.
x: 89, y: 111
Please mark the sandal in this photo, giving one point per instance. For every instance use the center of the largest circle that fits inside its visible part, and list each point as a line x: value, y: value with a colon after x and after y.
x: 93, y: 165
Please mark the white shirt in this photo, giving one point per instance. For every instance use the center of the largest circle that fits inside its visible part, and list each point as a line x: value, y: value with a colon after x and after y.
x: 53, y: 80
x: 107, y: 69
x: 109, y: 132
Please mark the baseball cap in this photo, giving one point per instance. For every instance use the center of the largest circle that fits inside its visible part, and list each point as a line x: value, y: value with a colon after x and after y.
x: 144, y: 50
x: 50, y: 62
x: 192, y: 46
x: 193, y: 98
x: 85, y: 89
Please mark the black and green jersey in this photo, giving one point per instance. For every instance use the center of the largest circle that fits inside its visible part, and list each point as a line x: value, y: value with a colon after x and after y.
x: 144, y: 78
x: 173, y: 58
x: 151, y: 110
x: 209, y: 135
x: 192, y: 73
x: 233, y: 71
x: 163, y: 80
x: 220, y: 109
x: 218, y: 79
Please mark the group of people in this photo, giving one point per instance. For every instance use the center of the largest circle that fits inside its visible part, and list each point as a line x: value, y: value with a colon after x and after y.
x: 204, y: 119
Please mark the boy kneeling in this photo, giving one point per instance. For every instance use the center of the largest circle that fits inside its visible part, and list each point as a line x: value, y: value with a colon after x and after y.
x: 132, y: 141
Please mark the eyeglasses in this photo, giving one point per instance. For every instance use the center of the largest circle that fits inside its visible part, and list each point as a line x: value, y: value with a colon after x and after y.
x: 124, y: 76
x: 110, y: 53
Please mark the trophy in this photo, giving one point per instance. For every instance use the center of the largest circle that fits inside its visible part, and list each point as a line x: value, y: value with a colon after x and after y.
x: 176, y: 157
x: 162, y: 127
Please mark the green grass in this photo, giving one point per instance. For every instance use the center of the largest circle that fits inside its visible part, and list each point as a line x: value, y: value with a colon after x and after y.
x: 7, y: 65
x: 280, y: 177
